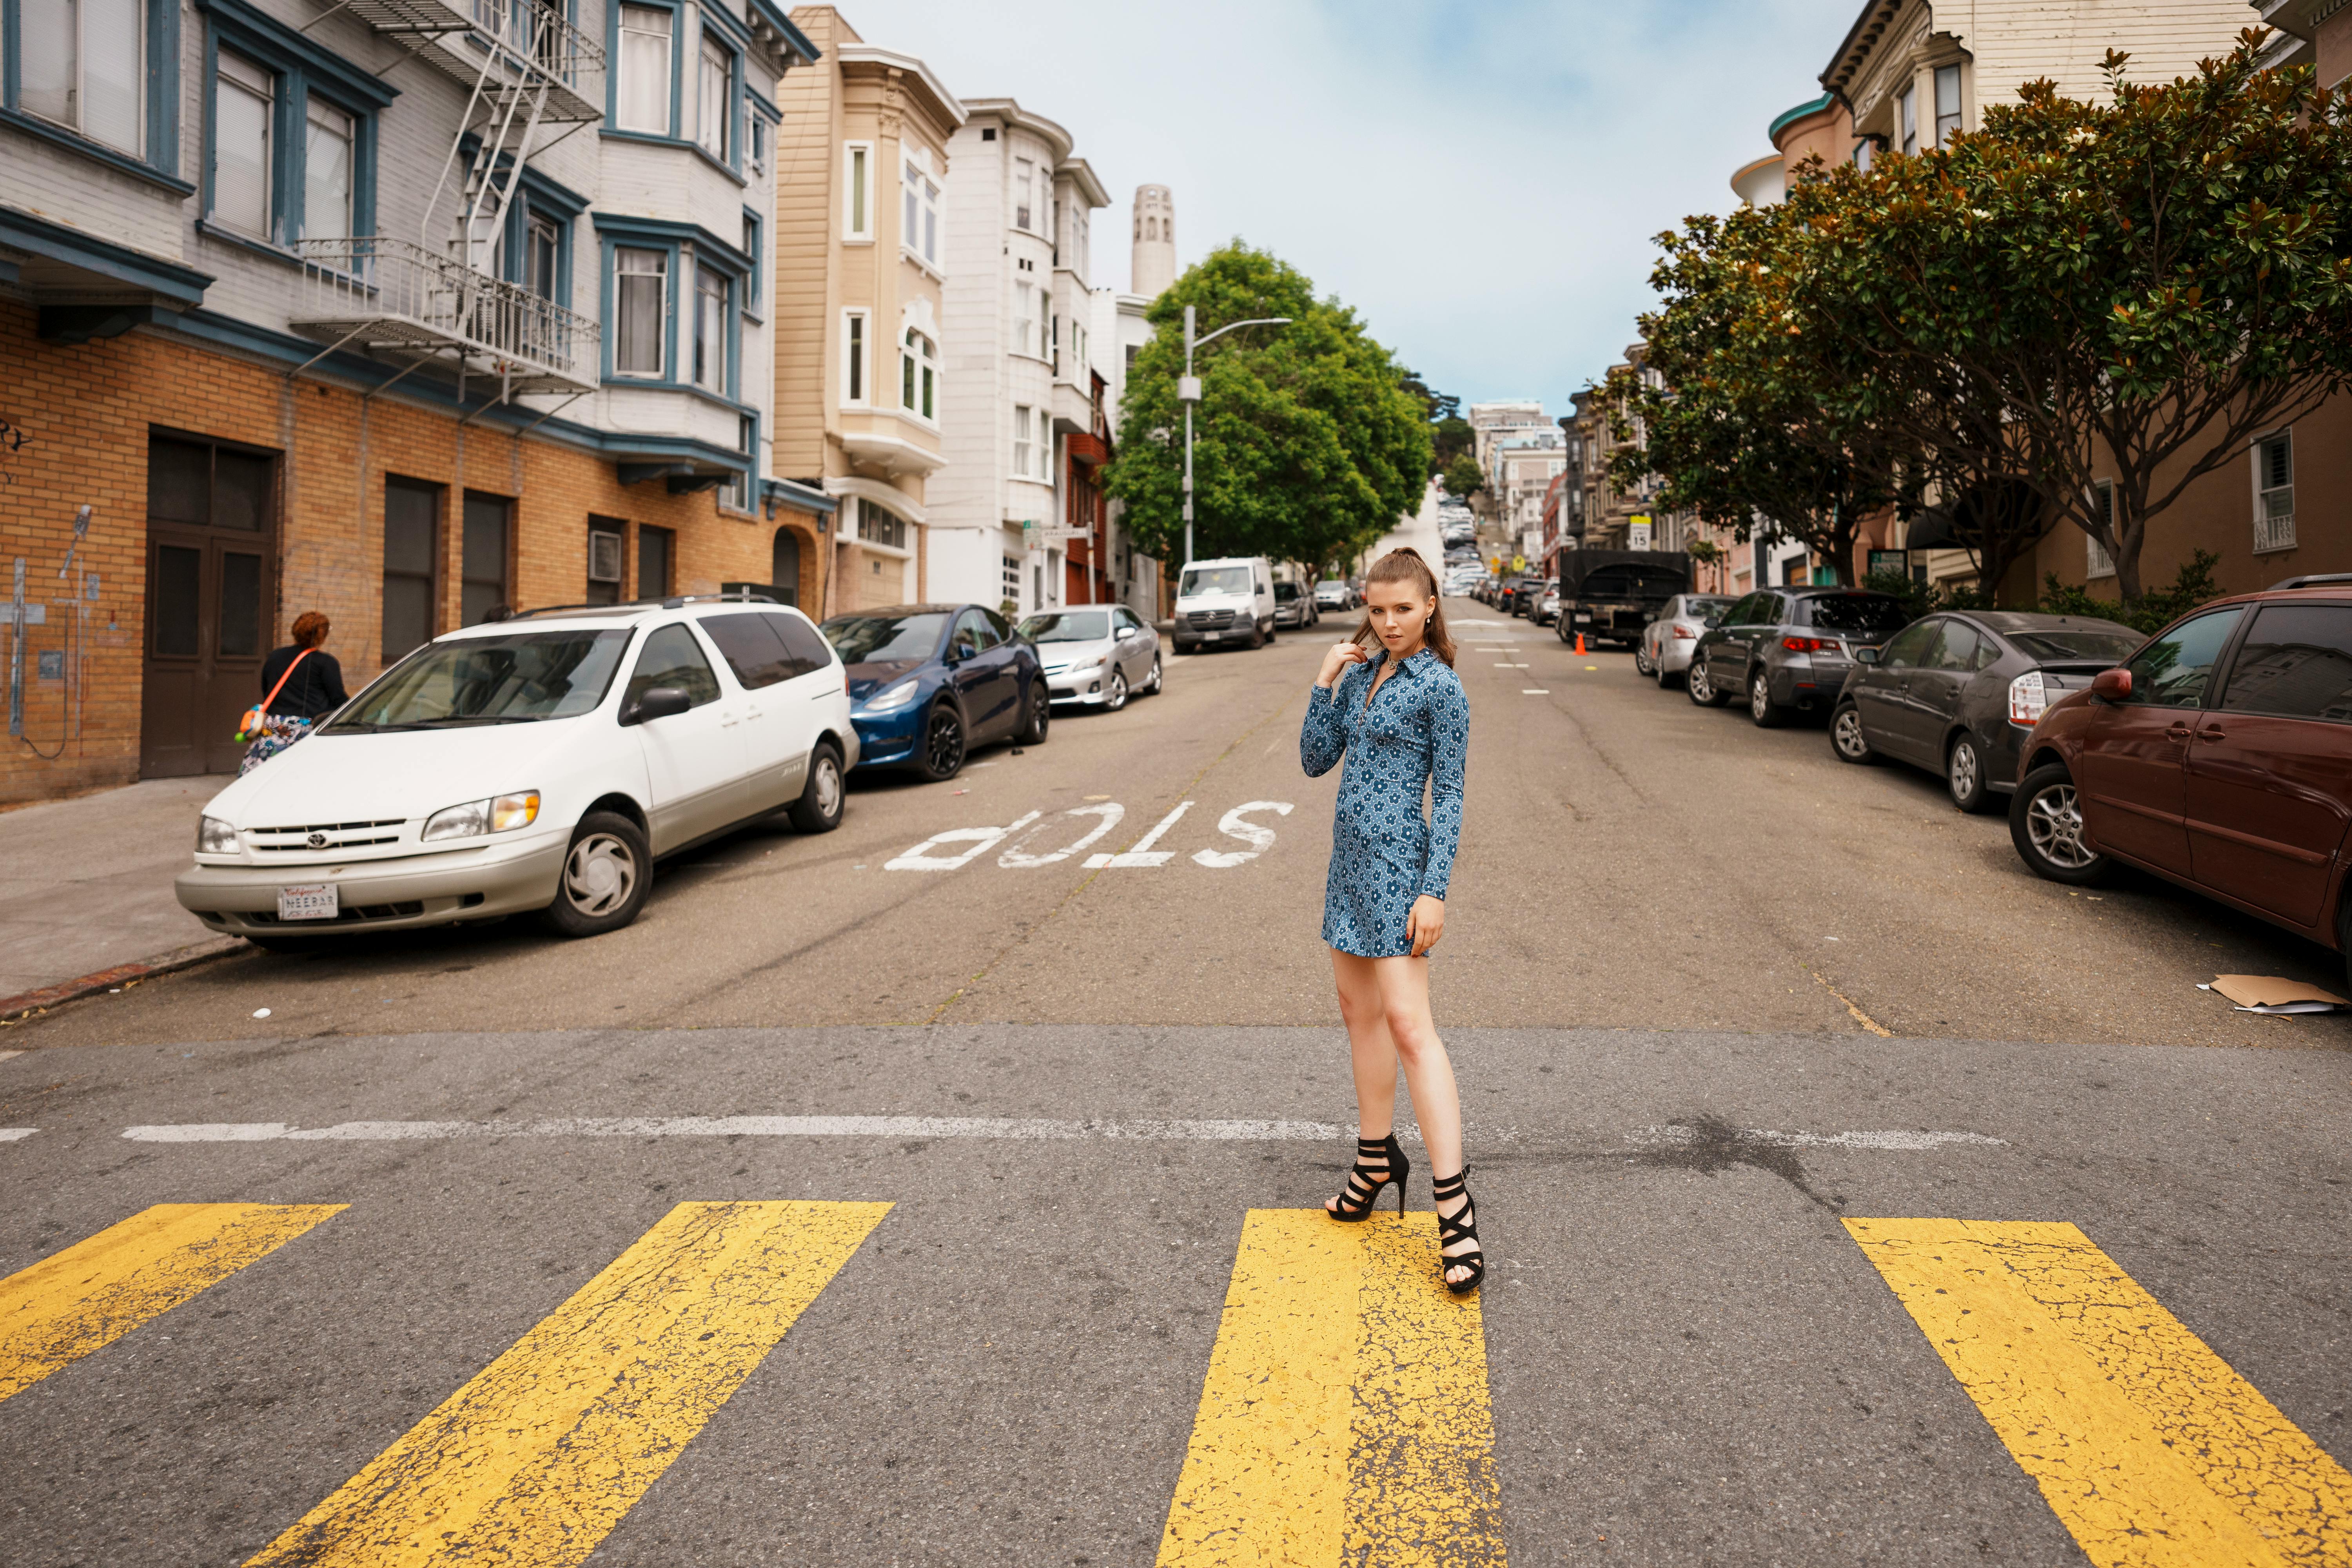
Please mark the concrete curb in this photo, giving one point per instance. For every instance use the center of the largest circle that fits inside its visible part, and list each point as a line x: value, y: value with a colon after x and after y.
x: 16, y: 1009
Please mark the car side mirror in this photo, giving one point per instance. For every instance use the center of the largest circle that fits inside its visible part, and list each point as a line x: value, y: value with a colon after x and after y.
x: 659, y: 702
x: 1866, y: 655
x: 1712, y: 621
x: 2112, y: 684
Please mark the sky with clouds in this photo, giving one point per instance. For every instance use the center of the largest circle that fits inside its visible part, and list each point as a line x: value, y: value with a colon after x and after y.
x: 1480, y: 179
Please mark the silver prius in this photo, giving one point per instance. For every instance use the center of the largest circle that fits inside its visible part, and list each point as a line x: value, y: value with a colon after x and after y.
x: 1664, y: 650
x: 1095, y: 654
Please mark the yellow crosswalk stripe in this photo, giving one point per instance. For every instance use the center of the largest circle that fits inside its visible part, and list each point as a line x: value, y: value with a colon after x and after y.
x: 95, y: 1291
x: 533, y: 1462
x: 1345, y: 1415
x: 2149, y: 1448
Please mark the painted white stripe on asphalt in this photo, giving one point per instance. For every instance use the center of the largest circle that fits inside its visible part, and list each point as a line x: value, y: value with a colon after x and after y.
x: 10, y: 1134
x: 6, y: 1055
x: 737, y: 1127
x: 1533, y: 691
x: 1902, y: 1141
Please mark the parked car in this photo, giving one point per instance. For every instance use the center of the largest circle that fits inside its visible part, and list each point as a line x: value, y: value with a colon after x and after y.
x: 1227, y: 601
x: 2218, y: 756
x: 1611, y: 596
x: 930, y: 682
x: 1295, y: 606
x: 1524, y: 590
x: 1956, y: 693
x: 1664, y: 651
x: 1095, y: 654
x: 1789, y: 649
x: 1333, y: 594
x: 1547, y: 608
x: 513, y: 767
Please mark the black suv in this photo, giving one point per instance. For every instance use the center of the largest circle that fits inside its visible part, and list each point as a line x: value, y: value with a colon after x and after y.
x: 1787, y: 650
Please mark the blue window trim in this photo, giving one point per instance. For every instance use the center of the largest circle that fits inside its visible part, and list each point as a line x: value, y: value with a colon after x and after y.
x: 173, y: 281
x: 615, y: 231
x: 794, y: 40
x: 162, y: 164
x: 536, y: 195
x: 611, y: 126
x: 300, y: 66
x: 752, y: 273
x: 607, y: 300
x: 737, y: 47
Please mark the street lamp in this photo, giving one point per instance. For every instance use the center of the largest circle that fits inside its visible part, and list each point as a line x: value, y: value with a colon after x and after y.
x: 1188, y: 392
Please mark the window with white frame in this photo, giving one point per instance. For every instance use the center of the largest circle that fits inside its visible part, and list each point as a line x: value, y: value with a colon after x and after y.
x: 1948, y: 103
x: 2096, y: 562
x: 1024, y: 317
x: 714, y: 97
x: 751, y: 249
x: 1906, y: 115
x: 855, y: 328
x: 1021, y: 446
x: 710, y: 329
x: 244, y: 106
x: 919, y: 374
x: 80, y: 64
x: 544, y: 255
x: 922, y: 233
x: 876, y: 526
x: 1022, y: 169
x: 640, y: 309
x: 641, y: 99
x: 1012, y: 581
x: 2274, y: 492
x: 327, y: 165
x: 1864, y: 151
x: 857, y: 191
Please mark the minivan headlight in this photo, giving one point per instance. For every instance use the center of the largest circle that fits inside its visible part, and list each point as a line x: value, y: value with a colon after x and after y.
x: 214, y: 837
x: 898, y: 696
x: 499, y: 813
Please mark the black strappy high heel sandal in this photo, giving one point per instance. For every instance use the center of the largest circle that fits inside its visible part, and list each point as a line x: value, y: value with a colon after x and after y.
x: 1363, y: 1188
x: 1463, y: 1226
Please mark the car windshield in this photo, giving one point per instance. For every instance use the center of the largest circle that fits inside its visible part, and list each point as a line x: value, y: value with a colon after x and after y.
x: 1215, y: 580
x: 510, y: 679
x: 867, y: 639
x: 1070, y: 626
x: 1285, y: 592
x: 1632, y: 582
x: 2107, y: 647
x: 1859, y: 612
x: 1698, y: 609
x: 1333, y: 584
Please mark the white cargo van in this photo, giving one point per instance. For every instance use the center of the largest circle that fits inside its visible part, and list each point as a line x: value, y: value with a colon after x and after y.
x: 1225, y: 601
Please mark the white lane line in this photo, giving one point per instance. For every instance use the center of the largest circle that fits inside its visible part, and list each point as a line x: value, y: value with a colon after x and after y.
x: 735, y: 1127
x: 1533, y: 691
x: 6, y: 1055
x: 10, y: 1134
x: 1027, y: 1130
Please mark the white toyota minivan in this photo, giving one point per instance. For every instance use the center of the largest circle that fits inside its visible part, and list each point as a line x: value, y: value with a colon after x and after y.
x: 542, y: 763
x: 1225, y: 601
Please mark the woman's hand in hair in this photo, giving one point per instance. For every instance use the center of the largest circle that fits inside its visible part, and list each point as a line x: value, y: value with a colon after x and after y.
x: 1338, y: 657
x: 1424, y: 923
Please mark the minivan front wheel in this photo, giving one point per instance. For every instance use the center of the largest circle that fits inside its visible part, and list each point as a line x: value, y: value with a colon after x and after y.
x: 607, y: 872
x: 819, y: 808
x: 2045, y: 823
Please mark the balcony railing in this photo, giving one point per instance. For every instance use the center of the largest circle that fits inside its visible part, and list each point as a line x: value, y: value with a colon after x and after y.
x: 524, y: 42
x: 379, y: 292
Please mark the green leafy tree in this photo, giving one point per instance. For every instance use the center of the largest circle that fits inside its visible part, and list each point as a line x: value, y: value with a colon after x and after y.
x: 1462, y: 475
x: 1307, y: 444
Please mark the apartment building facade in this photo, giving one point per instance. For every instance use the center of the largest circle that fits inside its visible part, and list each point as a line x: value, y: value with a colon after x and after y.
x: 395, y: 310
x: 861, y: 256
x: 1018, y: 516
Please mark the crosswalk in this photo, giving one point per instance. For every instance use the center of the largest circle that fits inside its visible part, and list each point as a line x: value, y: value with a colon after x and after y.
x: 1344, y: 1415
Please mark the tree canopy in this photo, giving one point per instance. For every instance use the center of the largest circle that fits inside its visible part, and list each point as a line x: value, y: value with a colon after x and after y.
x: 2122, y: 291
x: 1307, y: 444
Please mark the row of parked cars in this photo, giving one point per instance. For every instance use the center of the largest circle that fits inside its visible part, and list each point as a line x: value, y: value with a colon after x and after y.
x: 592, y: 742
x: 2216, y: 753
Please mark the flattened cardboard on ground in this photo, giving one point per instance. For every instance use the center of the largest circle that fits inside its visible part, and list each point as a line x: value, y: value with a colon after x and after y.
x: 2270, y: 990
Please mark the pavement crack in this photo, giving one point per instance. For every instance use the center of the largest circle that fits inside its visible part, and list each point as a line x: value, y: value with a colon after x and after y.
x: 1864, y: 1019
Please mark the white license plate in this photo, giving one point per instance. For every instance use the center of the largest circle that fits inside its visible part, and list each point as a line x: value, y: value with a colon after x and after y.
x: 315, y: 902
x: 1211, y: 636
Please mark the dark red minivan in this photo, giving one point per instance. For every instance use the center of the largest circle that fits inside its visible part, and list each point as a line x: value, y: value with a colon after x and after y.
x: 2219, y: 755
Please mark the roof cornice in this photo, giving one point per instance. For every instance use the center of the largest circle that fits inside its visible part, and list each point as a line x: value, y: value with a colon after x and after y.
x: 1011, y: 113
x: 1877, y: 16
x: 1090, y: 188
x: 945, y: 106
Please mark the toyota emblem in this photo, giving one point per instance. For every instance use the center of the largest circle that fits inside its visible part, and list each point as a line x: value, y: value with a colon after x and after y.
x: 317, y: 841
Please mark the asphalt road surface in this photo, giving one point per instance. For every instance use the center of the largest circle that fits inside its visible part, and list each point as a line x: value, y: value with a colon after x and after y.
x: 889, y: 1197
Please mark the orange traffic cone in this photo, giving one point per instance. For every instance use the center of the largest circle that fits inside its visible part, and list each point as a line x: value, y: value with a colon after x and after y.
x: 1580, y: 645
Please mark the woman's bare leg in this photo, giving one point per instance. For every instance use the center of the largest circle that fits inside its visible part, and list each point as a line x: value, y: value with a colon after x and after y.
x: 1403, y: 985
x: 1369, y: 1052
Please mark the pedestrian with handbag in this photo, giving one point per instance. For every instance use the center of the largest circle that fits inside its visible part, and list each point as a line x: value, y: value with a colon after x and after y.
x: 304, y: 684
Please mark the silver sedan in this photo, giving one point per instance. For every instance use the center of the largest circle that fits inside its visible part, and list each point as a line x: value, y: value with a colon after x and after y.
x: 1664, y: 650
x: 1095, y: 654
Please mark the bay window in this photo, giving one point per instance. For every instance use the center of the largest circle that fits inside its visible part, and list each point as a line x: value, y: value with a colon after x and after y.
x: 1907, y: 114
x: 858, y: 192
x: 327, y: 165
x: 918, y: 375
x: 922, y: 233
x: 640, y: 309
x: 710, y: 329
x: 1021, y: 171
x: 641, y: 97
x: 245, y: 104
x: 81, y: 64
x: 1021, y: 446
x: 714, y: 98
x: 1948, y: 103
x: 853, y: 356
x: 1024, y: 317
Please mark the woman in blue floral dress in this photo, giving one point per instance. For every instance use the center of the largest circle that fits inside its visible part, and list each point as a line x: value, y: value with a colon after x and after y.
x: 1388, y: 700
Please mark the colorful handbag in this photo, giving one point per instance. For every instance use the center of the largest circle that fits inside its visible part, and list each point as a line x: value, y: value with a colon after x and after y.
x: 249, y: 727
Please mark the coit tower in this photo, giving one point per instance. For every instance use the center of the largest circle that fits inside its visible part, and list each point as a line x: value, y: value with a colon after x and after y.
x: 1155, y: 241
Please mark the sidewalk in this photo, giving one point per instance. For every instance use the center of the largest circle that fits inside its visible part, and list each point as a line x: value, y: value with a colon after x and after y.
x: 88, y: 885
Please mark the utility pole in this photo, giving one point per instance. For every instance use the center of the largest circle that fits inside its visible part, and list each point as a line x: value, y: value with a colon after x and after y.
x: 1188, y: 392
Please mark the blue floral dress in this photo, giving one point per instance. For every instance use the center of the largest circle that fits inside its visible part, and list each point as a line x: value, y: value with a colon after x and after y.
x: 1415, y: 735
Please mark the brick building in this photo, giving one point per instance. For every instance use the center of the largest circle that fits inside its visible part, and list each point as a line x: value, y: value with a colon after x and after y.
x: 395, y: 310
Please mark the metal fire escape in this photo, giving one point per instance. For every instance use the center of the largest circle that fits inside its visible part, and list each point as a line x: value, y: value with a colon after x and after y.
x: 440, y: 296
